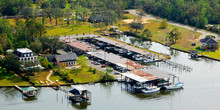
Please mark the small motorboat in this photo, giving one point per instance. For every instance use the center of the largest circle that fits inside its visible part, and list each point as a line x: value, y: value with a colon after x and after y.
x: 150, y: 90
x: 178, y: 85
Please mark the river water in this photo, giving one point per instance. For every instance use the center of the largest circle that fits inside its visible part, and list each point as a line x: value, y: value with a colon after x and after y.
x: 201, y: 90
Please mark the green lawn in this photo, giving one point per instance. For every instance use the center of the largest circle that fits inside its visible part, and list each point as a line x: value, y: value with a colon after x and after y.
x: 84, y: 75
x: 55, y: 77
x: 67, y: 30
x: 12, y: 80
x: 39, y: 76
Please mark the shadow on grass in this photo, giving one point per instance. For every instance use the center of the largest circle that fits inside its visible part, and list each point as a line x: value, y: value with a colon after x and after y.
x: 199, y: 49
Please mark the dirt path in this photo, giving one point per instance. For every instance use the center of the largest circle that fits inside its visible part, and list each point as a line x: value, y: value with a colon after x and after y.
x: 203, y: 32
x: 48, y: 76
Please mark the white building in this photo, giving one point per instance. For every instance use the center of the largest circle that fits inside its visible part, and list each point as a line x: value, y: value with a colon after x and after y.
x: 25, y: 54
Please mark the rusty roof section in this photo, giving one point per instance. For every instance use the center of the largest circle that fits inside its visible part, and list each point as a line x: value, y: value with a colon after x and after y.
x: 144, y: 74
x: 135, y: 65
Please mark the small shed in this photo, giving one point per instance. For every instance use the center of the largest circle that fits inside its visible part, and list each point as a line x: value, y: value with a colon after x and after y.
x: 9, y: 51
x: 113, y: 28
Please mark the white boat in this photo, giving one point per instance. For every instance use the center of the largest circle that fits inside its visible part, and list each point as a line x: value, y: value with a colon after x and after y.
x: 174, y: 86
x: 150, y: 90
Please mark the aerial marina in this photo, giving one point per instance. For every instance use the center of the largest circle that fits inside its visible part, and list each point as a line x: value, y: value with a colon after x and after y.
x: 109, y: 54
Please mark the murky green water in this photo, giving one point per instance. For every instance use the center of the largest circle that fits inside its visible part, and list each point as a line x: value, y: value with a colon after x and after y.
x: 201, y: 91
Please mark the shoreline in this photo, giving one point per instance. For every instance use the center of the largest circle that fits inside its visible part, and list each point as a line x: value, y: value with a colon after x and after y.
x: 201, y: 56
x: 90, y: 83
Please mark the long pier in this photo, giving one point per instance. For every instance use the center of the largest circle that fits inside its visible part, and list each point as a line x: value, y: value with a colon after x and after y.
x: 177, y: 65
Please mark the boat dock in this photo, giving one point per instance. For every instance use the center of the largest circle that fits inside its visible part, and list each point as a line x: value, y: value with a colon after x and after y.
x: 19, y: 88
x: 27, y: 91
x: 177, y: 65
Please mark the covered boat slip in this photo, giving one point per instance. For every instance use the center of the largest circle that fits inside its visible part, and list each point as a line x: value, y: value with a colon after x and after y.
x: 156, y: 72
x: 125, y: 46
x: 115, y: 59
x: 79, y: 93
x: 28, y: 91
x: 134, y: 77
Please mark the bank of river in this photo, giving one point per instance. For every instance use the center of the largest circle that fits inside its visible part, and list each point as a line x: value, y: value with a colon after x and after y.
x: 201, y: 90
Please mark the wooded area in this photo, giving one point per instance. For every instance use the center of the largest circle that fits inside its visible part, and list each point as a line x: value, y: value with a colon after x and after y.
x: 27, y: 33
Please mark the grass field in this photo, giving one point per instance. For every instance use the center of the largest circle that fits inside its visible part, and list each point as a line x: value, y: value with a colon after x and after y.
x: 12, y: 80
x: 39, y: 76
x: 84, y: 75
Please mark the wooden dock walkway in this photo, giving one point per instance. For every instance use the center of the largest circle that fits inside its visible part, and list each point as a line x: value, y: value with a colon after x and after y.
x: 18, y: 88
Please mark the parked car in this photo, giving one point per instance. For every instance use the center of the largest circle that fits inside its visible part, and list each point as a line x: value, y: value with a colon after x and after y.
x: 117, y: 72
x: 103, y: 66
x: 96, y: 63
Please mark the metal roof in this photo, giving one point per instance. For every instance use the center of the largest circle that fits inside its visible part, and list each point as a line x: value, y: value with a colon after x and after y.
x: 135, y: 77
x: 24, y: 50
x: 79, y: 87
x: 29, y: 89
x: 156, y: 72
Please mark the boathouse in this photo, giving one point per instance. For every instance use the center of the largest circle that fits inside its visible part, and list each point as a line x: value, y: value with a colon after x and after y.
x: 79, y: 93
x: 30, y: 91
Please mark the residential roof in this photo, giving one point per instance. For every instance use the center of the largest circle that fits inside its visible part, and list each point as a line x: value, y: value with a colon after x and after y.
x: 134, y: 77
x: 9, y: 51
x: 66, y: 57
x: 51, y: 58
x: 29, y: 89
x: 208, y: 40
x: 24, y: 50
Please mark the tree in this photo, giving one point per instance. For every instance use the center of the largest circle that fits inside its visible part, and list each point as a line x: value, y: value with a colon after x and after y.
x: 56, y: 14
x: 147, y: 33
x: 36, y: 46
x: 9, y: 44
x: 68, y: 14
x: 51, y: 44
x: 82, y: 60
x: 11, y: 63
x: 163, y: 24
x: 1, y: 50
x: 174, y: 35
x: 136, y: 26
x: 27, y: 13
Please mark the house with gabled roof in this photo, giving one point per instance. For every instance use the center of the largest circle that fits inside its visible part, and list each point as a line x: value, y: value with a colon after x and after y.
x: 66, y: 59
x: 208, y: 43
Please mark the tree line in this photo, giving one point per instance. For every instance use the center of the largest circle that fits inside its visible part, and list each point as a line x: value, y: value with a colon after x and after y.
x: 197, y: 13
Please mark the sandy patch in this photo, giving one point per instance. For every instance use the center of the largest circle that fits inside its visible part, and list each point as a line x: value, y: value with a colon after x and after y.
x: 143, y: 20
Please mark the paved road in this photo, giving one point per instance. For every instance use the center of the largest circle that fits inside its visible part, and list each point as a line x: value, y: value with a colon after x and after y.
x: 203, y: 32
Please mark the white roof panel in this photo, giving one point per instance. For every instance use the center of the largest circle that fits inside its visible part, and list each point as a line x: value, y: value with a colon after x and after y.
x: 24, y: 50
x: 134, y: 77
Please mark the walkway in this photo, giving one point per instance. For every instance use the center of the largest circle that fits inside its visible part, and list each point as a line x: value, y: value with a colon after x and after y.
x: 48, y: 76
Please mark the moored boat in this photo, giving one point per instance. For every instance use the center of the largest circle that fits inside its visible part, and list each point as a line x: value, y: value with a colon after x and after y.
x: 150, y: 90
x: 178, y: 85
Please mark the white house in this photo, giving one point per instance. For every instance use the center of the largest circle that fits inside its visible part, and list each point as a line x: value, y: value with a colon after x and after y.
x: 25, y: 54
